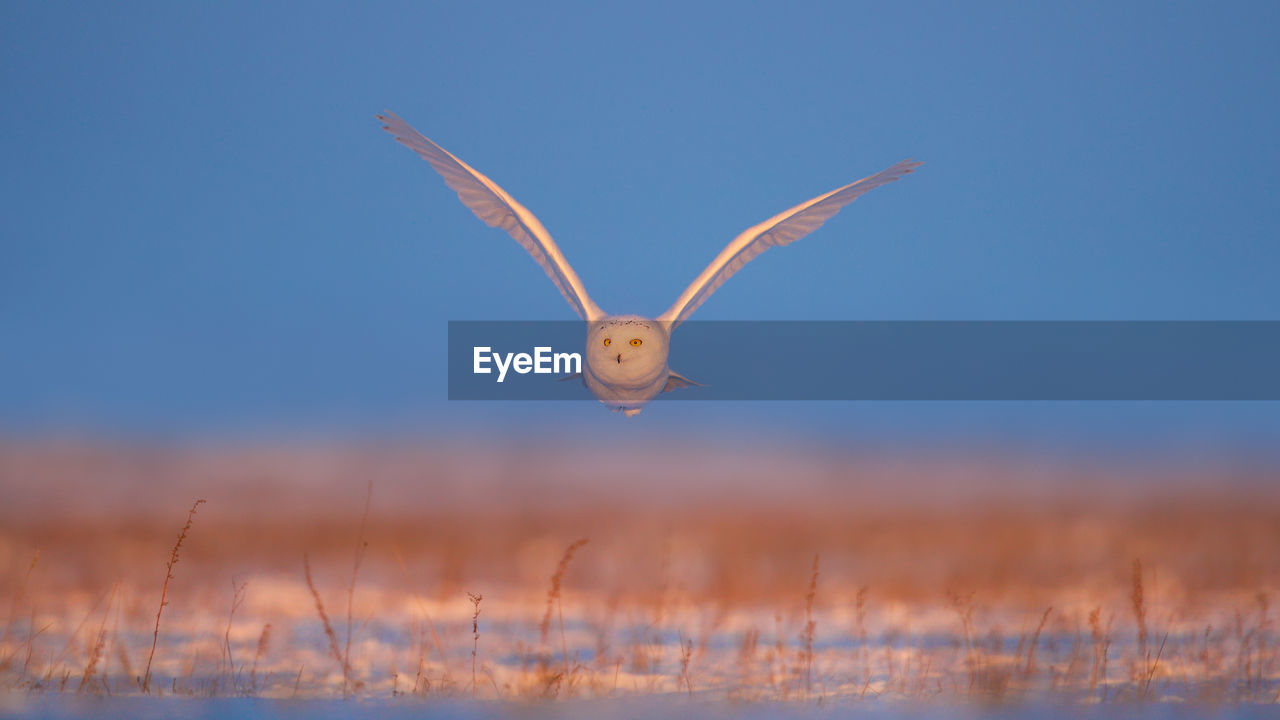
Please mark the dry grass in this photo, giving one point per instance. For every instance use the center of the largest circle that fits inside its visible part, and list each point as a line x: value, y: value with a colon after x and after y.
x: 329, y: 634
x: 1069, y: 600
x: 810, y: 629
x: 475, y: 636
x: 164, y: 591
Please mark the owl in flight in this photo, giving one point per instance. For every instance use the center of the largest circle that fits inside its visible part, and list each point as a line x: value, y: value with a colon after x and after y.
x: 625, y: 364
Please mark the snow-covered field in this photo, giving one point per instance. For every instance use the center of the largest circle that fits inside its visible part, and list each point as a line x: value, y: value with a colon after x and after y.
x: 252, y: 708
x: 463, y: 595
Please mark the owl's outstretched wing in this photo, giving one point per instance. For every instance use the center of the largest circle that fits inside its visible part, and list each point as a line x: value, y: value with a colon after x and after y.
x: 493, y: 205
x: 781, y: 229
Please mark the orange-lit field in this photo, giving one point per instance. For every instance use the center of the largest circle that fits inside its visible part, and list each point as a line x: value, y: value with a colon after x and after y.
x: 800, y: 577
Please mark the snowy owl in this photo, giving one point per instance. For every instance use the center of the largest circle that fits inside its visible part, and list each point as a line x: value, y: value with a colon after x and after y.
x: 625, y: 364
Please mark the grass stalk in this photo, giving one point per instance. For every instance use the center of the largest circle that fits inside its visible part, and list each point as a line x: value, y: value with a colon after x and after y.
x: 334, y: 651
x: 164, y: 592
x: 475, y: 636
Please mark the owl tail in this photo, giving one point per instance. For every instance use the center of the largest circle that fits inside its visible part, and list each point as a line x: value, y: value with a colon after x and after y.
x: 676, y: 380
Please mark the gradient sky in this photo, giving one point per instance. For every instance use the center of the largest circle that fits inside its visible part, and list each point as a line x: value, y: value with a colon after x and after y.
x: 204, y: 231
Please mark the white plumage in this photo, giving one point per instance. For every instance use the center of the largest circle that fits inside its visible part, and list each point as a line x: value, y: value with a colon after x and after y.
x: 626, y: 355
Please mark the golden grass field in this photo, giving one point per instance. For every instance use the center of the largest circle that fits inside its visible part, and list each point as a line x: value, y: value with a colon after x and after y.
x: 757, y: 575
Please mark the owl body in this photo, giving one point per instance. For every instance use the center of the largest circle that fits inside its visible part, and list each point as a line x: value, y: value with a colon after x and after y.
x: 626, y: 361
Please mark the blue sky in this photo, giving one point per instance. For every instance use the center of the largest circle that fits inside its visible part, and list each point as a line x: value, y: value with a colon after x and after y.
x: 204, y: 231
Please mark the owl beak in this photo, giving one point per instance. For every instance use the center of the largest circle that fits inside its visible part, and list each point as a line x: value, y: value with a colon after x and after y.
x: 619, y: 358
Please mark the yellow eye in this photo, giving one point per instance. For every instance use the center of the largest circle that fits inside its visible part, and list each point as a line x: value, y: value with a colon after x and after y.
x: 607, y: 342
x: 635, y: 342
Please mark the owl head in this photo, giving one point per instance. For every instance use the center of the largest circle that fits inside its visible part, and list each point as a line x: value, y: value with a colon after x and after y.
x: 627, y: 349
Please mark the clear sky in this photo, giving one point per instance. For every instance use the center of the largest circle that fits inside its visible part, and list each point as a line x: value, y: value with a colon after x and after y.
x: 203, y: 230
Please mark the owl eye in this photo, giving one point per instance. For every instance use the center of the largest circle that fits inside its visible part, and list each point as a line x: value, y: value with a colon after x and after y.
x: 608, y: 342
x: 635, y: 342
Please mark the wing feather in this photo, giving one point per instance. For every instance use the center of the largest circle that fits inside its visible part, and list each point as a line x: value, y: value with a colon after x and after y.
x: 493, y: 205
x: 781, y: 229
